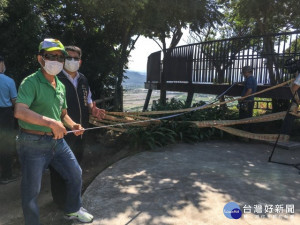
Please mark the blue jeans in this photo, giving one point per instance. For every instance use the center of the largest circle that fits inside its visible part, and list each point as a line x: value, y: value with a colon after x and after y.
x: 36, y: 153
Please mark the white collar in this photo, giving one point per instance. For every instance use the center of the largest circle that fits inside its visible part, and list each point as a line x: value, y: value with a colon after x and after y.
x: 69, y: 76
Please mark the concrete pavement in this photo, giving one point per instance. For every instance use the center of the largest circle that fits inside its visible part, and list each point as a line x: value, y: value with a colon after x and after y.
x: 191, y: 184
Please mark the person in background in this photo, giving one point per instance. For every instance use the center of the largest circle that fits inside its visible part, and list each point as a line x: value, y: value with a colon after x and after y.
x: 41, y: 111
x: 80, y: 105
x: 246, y: 105
x: 8, y: 95
x: 288, y: 121
x: 295, y: 90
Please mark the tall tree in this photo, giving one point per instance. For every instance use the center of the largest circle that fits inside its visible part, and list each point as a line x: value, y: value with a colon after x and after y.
x: 74, y: 24
x: 167, y: 18
x: 106, y: 30
x: 220, y: 55
x: 20, y: 35
x: 122, y: 27
x: 267, y: 17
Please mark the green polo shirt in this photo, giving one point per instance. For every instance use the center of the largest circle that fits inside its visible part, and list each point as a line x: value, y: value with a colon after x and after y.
x: 42, y: 98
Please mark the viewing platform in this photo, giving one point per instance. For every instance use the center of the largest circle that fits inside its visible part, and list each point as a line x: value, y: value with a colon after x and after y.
x: 212, y: 67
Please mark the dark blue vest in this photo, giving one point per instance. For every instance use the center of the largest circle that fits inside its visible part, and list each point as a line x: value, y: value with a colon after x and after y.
x: 77, y: 99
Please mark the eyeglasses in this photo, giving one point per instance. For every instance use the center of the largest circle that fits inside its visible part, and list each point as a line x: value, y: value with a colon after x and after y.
x: 59, y: 58
x: 70, y: 58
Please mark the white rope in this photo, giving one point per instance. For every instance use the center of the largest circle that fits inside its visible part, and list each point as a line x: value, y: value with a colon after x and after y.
x: 186, y: 110
x: 143, y: 121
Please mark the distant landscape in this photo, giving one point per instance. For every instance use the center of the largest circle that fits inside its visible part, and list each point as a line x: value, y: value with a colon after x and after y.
x: 135, y: 80
x: 135, y: 93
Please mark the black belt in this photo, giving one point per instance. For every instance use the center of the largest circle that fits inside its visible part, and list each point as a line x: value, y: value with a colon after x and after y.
x: 3, y: 109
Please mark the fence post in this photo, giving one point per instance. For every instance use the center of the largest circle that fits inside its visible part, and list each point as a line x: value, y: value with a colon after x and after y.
x: 147, y: 100
x: 163, y: 92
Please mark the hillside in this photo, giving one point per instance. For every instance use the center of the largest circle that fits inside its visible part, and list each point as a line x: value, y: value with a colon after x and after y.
x: 134, y: 80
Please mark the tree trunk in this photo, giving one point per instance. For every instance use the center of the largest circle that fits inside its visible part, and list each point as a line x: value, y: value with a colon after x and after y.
x: 177, y: 34
x: 269, y: 51
x: 163, y: 92
x: 118, y: 96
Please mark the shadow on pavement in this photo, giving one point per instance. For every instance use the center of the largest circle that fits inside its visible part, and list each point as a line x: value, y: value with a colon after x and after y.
x: 190, y: 184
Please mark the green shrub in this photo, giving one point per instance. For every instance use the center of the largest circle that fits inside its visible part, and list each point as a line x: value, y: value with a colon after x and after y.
x: 173, y: 104
x: 151, y: 137
x: 178, y: 129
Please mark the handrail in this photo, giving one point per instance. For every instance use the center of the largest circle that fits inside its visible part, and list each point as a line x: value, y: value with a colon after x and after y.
x: 220, y: 61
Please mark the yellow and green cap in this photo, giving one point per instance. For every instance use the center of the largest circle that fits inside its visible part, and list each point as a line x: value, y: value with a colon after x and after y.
x: 50, y: 44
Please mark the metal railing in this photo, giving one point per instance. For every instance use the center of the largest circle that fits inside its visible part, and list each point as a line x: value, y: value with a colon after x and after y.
x: 221, y: 61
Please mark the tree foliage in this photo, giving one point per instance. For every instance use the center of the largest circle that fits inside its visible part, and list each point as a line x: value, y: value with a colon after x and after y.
x: 268, y: 16
x: 107, y: 30
x: 20, y: 34
x: 3, y: 5
x: 167, y: 19
x: 74, y: 24
x: 122, y: 26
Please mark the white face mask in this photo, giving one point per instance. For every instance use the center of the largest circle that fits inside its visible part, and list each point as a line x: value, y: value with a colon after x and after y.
x: 53, y: 67
x: 71, y: 65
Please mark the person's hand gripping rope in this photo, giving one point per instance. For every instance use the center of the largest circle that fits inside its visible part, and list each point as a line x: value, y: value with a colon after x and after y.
x: 96, y: 112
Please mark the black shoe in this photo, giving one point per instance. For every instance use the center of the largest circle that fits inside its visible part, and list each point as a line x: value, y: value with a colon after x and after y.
x: 8, y: 180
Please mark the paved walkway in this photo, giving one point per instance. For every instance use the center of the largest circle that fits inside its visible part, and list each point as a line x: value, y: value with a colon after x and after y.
x: 191, y: 184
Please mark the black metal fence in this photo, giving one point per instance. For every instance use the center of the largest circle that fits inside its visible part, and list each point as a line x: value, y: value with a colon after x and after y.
x: 221, y: 61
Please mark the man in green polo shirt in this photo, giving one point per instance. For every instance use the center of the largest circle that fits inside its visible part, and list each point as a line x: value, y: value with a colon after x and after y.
x: 42, y: 113
x: 48, y: 101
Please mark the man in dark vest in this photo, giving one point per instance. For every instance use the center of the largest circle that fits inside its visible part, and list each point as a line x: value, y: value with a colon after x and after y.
x: 79, y: 98
x: 80, y: 105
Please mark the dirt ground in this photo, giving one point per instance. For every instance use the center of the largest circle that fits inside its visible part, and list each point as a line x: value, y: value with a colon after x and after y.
x: 97, y: 157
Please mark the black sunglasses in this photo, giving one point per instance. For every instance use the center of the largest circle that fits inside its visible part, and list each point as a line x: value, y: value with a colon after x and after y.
x: 59, y: 58
x: 70, y: 58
